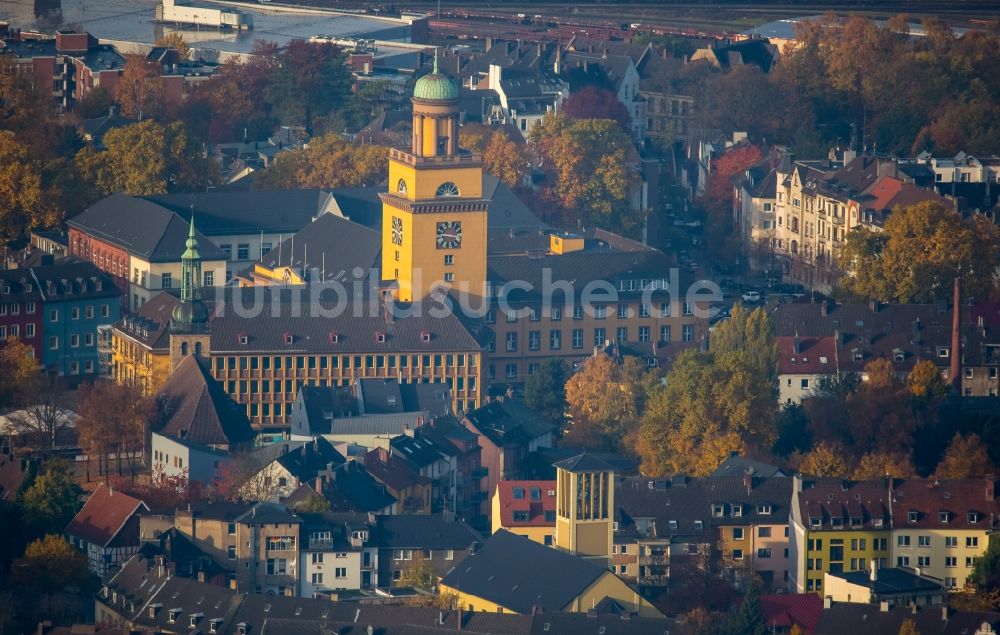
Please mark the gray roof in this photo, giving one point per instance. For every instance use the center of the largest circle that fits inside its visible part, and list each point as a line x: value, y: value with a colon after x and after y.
x: 737, y: 466
x: 143, y: 228
x: 585, y: 463
x: 892, y: 580
x: 224, y: 212
x: 508, y: 423
x: 308, y: 460
x: 423, y: 531
x: 266, y: 330
x: 330, y: 245
x: 193, y: 406
x: 518, y: 573
x: 381, y: 424
x: 268, y: 514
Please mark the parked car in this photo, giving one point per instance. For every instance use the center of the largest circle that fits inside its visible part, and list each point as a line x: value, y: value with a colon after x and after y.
x: 751, y: 297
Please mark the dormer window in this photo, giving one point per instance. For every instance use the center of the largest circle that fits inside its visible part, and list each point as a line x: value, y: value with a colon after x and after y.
x: 425, y: 336
x: 193, y: 619
x: 333, y: 338
x: 912, y: 517
x: 856, y: 521
x: 699, y: 525
x: 877, y: 522
x: 244, y: 340
x: 837, y: 523
x: 815, y: 521
x: 672, y: 524
x: 973, y: 518
x: 943, y: 351
x: 213, y: 626
x: 944, y: 517
x: 241, y: 629
x: 737, y: 511
x: 717, y: 511
x: 289, y: 338
x: 764, y: 510
x: 380, y: 337
x: 173, y: 614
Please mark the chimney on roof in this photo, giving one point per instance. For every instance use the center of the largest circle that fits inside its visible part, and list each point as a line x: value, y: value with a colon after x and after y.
x: 827, y: 601
x: 873, y: 570
x: 874, y: 305
x: 991, y: 491
x: 796, y: 345
x: 883, y: 606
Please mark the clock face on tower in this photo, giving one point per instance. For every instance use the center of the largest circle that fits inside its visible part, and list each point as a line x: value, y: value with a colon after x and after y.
x: 397, y: 231
x: 449, y: 235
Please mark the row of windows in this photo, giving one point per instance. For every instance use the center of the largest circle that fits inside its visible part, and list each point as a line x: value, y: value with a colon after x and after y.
x: 74, y: 340
x: 29, y: 309
x: 762, y: 532
x: 600, y: 312
x: 764, y: 552
x: 324, y: 362
x: 857, y: 544
x: 971, y: 542
x: 950, y: 562
x: 599, y: 337
x: 14, y: 330
x: 267, y: 386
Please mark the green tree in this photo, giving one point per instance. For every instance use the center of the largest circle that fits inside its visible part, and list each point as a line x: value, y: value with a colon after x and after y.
x: 140, y: 89
x: 50, y: 564
x: 309, y: 82
x: 966, y: 457
x: 19, y: 373
x: 714, y: 402
x: 52, y: 500
x: 545, y: 390
x: 749, y: 617
x: 601, y: 404
x: 825, y: 460
x: 587, y: 160
x: 925, y: 381
x: 329, y: 161
x: 146, y: 158
x: 418, y: 573
x: 924, y: 247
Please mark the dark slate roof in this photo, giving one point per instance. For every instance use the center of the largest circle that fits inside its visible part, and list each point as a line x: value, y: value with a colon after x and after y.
x: 680, y: 506
x: 193, y: 406
x: 268, y: 514
x: 892, y: 580
x: 869, y: 619
x: 426, y: 531
x: 150, y: 325
x: 958, y: 498
x: 142, y: 227
x: 103, y: 516
x: 832, y: 498
x: 508, y: 423
x: 759, y: 52
x: 434, y: 398
x: 902, y: 333
x: 737, y: 466
x: 518, y: 573
x: 266, y: 330
x: 318, y: 400
x: 354, y: 490
x: 72, y: 279
x: 585, y: 463
x: 234, y: 212
x: 415, y: 452
x: 308, y: 460
x: 614, y: 67
x: 330, y: 245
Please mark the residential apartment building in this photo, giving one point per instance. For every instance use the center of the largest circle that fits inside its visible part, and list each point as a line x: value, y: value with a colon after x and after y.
x: 754, y: 207
x: 442, y: 541
x: 941, y: 527
x: 738, y: 521
x: 258, y: 545
x: 843, y: 338
x: 837, y: 526
x: 508, y: 431
x: 58, y: 308
x: 526, y: 508
x: 333, y: 555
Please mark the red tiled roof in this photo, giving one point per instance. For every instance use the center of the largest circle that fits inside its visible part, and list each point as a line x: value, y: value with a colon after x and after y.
x: 802, y: 609
x: 103, y: 516
x: 536, y: 508
x: 809, y: 360
x: 841, y: 499
x: 958, y: 498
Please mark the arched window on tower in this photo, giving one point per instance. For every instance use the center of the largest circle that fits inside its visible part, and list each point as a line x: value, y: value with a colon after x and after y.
x: 184, y: 349
x: 447, y: 189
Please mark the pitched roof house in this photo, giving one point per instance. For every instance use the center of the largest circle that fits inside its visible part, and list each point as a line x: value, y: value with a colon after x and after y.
x: 107, y: 529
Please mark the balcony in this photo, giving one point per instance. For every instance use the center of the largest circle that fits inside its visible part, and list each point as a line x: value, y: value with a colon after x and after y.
x: 653, y: 559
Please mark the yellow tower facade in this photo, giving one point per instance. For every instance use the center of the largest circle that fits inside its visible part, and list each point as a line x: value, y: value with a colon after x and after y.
x: 434, y: 215
x: 585, y: 506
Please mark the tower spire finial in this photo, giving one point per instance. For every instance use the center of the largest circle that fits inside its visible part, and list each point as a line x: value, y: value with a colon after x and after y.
x: 436, y: 60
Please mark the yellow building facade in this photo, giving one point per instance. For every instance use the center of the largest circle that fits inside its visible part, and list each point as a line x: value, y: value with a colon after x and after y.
x: 525, y: 508
x: 585, y: 506
x: 434, y: 217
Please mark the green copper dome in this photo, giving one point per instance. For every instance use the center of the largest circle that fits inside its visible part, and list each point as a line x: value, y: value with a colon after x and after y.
x: 436, y: 86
